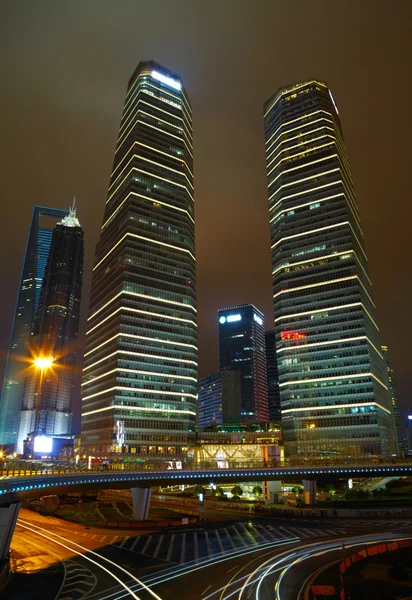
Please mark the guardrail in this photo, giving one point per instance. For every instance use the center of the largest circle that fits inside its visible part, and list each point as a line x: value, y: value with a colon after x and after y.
x: 29, y: 467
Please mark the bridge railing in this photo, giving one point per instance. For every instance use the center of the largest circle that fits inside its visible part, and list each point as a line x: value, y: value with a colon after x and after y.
x: 18, y: 468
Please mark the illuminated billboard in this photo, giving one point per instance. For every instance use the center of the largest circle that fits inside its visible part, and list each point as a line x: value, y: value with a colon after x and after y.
x: 43, y: 444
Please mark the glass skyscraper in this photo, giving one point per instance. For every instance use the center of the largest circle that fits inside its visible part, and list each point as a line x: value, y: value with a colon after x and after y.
x: 400, y: 433
x: 140, y: 365
x: 332, y: 377
x: 273, y: 378
x: 37, y: 251
x: 242, y: 348
x: 210, y: 400
x: 47, y: 398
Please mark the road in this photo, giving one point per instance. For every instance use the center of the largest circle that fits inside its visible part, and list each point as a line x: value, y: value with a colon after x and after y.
x: 210, y: 561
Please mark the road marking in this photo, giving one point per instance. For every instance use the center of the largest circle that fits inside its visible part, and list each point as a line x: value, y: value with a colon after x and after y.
x: 219, y: 541
x: 183, y: 548
x: 208, y: 546
x: 149, y: 539
x: 134, y: 543
x: 248, y: 535
x: 196, y: 547
x: 208, y: 588
x: 123, y: 542
x: 159, y: 543
x: 230, y: 538
x: 169, y: 550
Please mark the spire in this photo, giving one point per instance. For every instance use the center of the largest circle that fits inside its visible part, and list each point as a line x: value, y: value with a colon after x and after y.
x: 71, y: 219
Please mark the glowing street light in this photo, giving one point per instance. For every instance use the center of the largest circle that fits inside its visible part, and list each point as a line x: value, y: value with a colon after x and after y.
x: 43, y: 362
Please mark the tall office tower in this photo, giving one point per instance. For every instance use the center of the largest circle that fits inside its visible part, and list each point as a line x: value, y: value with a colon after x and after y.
x: 242, y: 348
x: 37, y: 251
x: 48, y: 393
x: 400, y: 434
x: 219, y: 398
x: 273, y: 378
x: 210, y: 400
x: 140, y: 366
x: 331, y: 372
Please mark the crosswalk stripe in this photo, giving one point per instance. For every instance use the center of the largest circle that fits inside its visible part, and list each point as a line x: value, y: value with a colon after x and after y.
x: 219, y: 541
x: 159, y: 543
x: 132, y: 547
x: 230, y: 538
x: 169, y: 550
x: 149, y: 539
x: 248, y: 535
x: 208, y: 546
x: 114, y: 539
x: 183, y: 549
x: 122, y: 543
x: 196, y: 546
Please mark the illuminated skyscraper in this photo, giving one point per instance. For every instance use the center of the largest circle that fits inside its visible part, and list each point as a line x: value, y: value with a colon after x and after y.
x: 140, y: 365
x: 400, y: 434
x: 47, y: 398
x: 35, y: 260
x: 273, y: 378
x: 333, y: 383
x: 242, y: 348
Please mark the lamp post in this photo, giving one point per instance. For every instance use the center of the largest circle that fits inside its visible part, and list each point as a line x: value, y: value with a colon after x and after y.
x: 41, y: 364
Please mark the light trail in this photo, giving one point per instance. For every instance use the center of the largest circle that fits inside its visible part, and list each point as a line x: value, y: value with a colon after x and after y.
x: 194, y: 566
x: 126, y: 587
x: 31, y: 526
x: 318, y: 549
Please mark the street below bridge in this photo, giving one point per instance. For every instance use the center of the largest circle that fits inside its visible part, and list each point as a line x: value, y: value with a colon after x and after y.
x: 57, y: 560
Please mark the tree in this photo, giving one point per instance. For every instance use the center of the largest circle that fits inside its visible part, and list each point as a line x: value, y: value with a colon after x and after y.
x: 257, y: 491
x: 219, y: 492
x: 237, y: 491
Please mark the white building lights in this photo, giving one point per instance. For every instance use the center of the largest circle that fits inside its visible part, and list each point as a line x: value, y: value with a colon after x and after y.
x: 140, y: 366
x: 327, y: 339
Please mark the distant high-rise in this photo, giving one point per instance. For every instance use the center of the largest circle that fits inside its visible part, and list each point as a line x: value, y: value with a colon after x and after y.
x: 219, y: 398
x: 35, y: 260
x: 242, y: 348
x: 400, y: 434
x: 333, y: 384
x: 273, y: 378
x: 140, y: 362
x: 47, y: 399
x: 210, y: 400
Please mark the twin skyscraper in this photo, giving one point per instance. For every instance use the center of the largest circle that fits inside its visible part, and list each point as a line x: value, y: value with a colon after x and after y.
x: 139, y: 386
x: 140, y: 369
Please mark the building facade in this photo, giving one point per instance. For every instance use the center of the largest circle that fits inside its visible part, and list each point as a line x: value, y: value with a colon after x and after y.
x: 210, y: 400
x: 219, y: 398
x: 37, y: 251
x: 272, y: 377
x: 140, y: 363
x: 400, y: 434
x: 242, y: 349
x: 48, y: 394
x: 332, y: 377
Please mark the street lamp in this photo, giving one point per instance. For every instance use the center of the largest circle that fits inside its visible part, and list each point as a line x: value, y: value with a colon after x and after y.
x: 41, y: 364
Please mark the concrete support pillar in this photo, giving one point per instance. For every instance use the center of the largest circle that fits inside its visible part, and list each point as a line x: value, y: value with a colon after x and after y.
x: 272, y: 491
x: 141, y: 502
x: 8, y: 518
x: 309, y: 491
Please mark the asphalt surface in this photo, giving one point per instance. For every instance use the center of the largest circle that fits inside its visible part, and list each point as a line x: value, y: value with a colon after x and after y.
x: 233, y: 557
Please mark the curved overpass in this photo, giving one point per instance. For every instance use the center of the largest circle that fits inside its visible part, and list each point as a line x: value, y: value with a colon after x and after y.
x: 14, y: 489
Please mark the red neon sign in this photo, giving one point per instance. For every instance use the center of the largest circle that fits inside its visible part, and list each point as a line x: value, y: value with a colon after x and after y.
x: 292, y: 335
